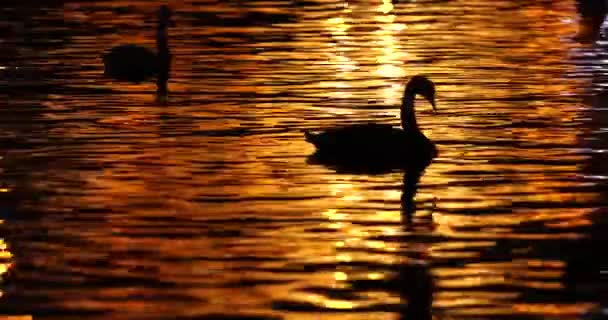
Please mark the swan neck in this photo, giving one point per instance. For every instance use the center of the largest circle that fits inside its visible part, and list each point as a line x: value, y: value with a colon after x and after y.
x: 408, y: 113
x: 164, y: 59
x: 162, y: 41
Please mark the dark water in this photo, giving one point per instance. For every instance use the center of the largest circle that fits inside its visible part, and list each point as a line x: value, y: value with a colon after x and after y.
x: 116, y: 207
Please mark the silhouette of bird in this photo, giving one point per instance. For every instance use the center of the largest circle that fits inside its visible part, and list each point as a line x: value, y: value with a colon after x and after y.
x: 135, y: 63
x: 380, y: 147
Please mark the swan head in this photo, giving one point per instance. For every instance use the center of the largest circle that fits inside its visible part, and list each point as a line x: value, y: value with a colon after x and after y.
x: 421, y: 85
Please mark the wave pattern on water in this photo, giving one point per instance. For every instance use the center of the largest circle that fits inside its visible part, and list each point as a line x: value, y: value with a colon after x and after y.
x: 114, y: 206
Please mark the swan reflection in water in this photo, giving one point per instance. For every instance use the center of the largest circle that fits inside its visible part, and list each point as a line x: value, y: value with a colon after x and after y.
x: 413, y: 281
x: 133, y: 63
x: 379, y: 149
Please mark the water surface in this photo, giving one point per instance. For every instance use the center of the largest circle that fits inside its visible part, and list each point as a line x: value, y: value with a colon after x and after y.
x: 117, y: 207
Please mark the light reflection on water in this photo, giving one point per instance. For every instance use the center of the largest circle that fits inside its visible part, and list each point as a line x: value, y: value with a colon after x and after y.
x: 118, y: 207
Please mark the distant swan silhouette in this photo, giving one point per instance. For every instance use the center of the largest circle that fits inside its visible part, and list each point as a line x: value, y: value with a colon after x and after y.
x: 380, y: 147
x: 134, y: 63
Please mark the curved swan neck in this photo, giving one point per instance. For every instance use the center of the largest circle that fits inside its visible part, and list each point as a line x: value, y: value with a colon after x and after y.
x: 162, y: 41
x: 408, y: 113
x: 164, y: 55
x: 164, y: 21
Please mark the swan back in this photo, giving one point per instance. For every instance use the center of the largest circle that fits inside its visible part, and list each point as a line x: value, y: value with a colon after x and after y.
x: 372, y: 147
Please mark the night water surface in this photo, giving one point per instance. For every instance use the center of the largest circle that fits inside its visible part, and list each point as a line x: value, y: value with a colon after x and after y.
x: 115, y: 206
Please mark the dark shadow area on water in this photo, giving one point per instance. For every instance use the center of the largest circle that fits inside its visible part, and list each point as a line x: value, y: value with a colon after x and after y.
x: 586, y: 273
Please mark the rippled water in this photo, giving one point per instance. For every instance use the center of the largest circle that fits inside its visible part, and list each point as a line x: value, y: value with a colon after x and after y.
x: 117, y: 207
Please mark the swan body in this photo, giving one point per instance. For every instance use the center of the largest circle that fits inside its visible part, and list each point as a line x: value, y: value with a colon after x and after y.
x: 131, y: 63
x: 380, y: 146
x: 135, y: 63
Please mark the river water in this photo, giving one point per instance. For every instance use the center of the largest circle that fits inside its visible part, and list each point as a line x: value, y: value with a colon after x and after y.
x: 115, y: 206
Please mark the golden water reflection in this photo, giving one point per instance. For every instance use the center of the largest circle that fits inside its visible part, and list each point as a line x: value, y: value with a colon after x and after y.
x: 209, y: 203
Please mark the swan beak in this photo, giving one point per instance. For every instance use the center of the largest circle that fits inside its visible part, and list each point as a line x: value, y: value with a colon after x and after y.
x: 432, y: 101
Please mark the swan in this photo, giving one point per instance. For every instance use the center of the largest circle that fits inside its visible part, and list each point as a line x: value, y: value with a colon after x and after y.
x: 380, y: 146
x: 135, y: 63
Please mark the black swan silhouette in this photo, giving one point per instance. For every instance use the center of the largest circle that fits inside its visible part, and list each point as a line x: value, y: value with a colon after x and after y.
x: 380, y: 147
x: 135, y: 63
